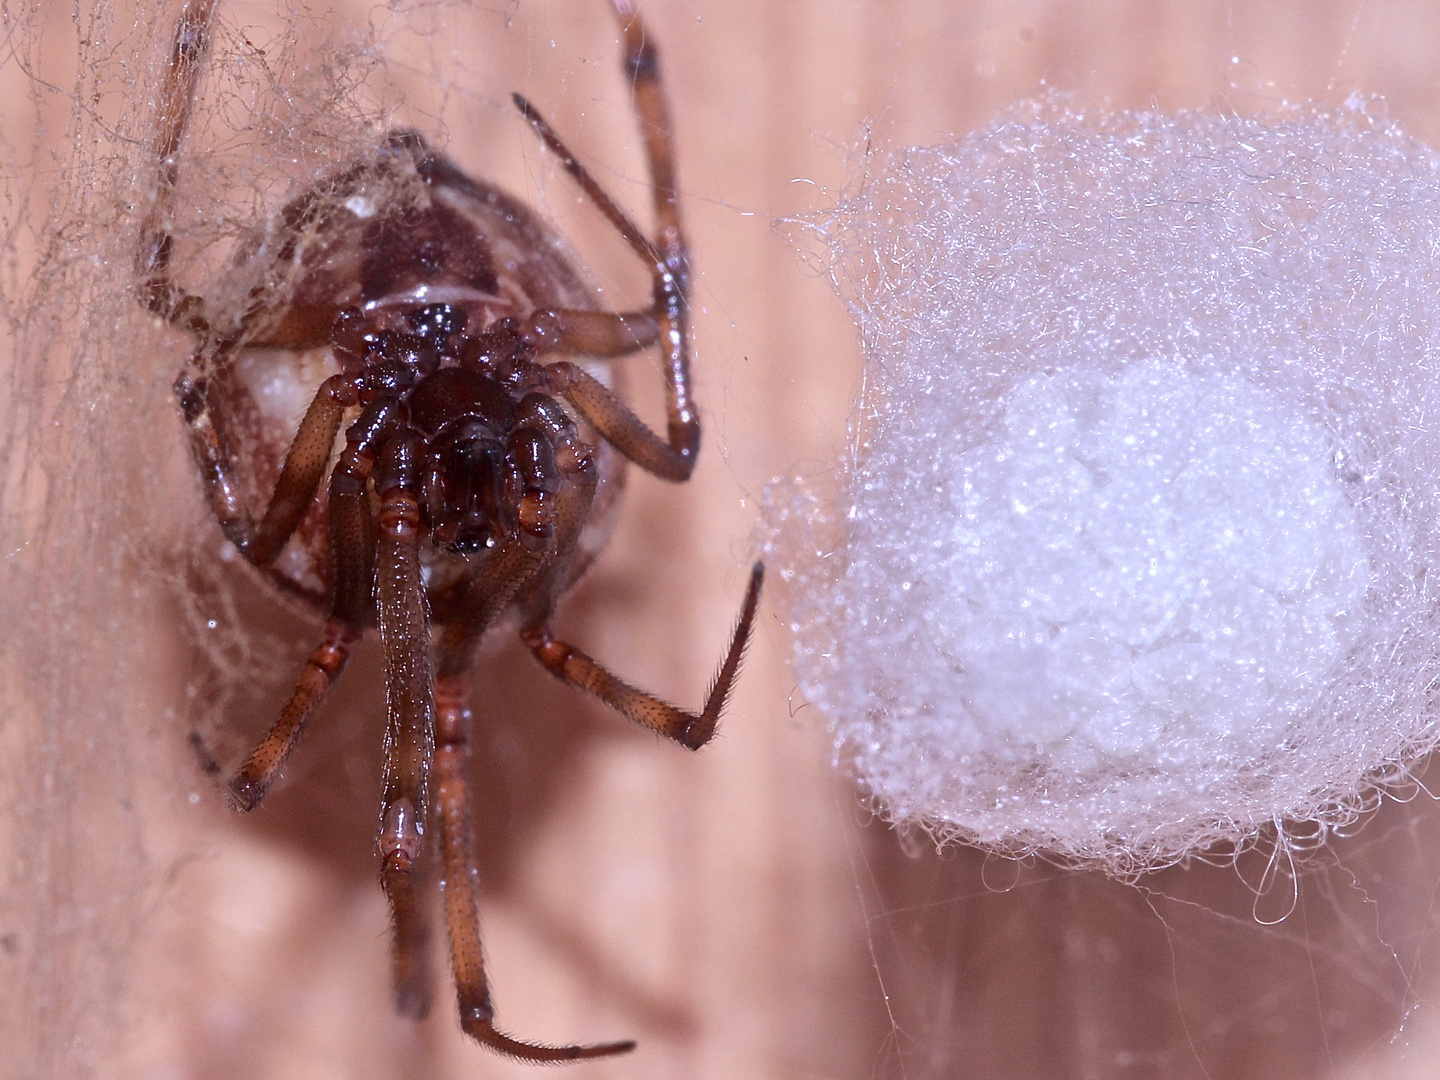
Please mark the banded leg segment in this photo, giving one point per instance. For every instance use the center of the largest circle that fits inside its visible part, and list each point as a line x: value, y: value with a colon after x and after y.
x: 613, y: 419
x: 672, y: 290
x: 410, y: 702
x: 210, y: 448
x: 672, y: 458
x: 591, y: 333
x: 692, y: 730
x: 501, y: 576
x: 352, y: 552
x: 304, y: 468
x: 177, y: 96
x: 558, y: 481
x: 248, y: 786
x: 641, y: 63
x: 459, y: 886
x: 412, y: 975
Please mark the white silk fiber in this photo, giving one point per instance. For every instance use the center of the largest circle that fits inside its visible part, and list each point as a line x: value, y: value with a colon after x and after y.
x: 1134, y: 551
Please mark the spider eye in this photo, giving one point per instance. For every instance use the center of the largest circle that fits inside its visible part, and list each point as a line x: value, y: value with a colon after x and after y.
x: 436, y: 322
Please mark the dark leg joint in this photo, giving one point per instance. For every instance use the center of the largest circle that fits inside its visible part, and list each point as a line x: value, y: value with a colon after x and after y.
x: 643, y: 63
x: 190, y: 393
x: 244, y: 792
x: 697, y: 731
x: 208, y: 765
x: 476, y: 1017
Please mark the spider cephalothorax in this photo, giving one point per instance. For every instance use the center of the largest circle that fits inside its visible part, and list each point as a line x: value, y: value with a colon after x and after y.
x: 477, y: 473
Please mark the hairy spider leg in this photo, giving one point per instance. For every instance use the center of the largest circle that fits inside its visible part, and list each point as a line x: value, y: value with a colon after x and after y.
x: 409, y: 698
x: 642, y: 64
x: 159, y: 292
x: 177, y: 95
x: 484, y: 598
x: 613, y: 419
x: 673, y: 459
x: 691, y: 730
x: 352, y: 549
x: 569, y: 664
x: 486, y: 595
x: 305, y: 463
x: 549, y: 528
x: 460, y: 885
x: 309, y: 454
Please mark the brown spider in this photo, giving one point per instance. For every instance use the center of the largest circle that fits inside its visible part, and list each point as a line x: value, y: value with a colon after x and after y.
x: 474, y: 478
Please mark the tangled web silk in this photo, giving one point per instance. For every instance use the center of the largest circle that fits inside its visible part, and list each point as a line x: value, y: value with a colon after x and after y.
x: 1133, y: 551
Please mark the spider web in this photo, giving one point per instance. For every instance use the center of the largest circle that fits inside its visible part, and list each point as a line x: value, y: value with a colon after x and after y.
x: 1304, y: 954
x: 843, y: 951
x: 129, y: 623
x: 1263, y: 967
x: 143, y: 929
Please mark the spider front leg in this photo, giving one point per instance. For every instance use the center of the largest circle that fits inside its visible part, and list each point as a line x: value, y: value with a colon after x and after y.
x: 672, y: 458
x: 573, y: 458
x: 459, y: 888
x: 305, y: 464
x: 691, y: 730
x: 352, y: 549
x: 558, y: 479
x: 410, y: 704
x: 158, y: 291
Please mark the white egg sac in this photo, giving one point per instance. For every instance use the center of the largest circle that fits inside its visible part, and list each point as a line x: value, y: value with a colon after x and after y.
x: 1134, y: 551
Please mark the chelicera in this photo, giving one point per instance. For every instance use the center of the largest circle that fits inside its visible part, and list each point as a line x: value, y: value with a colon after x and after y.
x: 478, y: 468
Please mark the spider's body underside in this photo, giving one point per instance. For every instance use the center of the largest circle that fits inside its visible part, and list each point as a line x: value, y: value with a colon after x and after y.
x: 407, y: 260
x: 474, y: 477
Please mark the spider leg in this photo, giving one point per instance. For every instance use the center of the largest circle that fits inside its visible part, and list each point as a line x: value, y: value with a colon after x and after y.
x: 459, y: 886
x: 642, y: 64
x: 410, y: 702
x: 668, y: 256
x: 546, y: 524
x: 508, y: 568
x: 246, y: 789
x: 628, y: 230
x: 592, y: 333
x: 158, y: 291
x: 504, y: 573
x: 613, y: 419
x: 352, y: 546
x: 160, y: 294
x: 691, y: 730
x: 305, y: 464
x: 559, y: 480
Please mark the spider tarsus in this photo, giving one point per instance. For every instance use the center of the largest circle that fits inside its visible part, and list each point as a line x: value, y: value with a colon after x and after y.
x: 478, y: 1024
x: 244, y: 792
x: 734, y: 657
x: 241, y: 791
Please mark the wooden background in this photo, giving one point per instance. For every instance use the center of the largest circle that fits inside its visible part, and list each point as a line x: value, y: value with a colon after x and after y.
x: 735, y: 910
